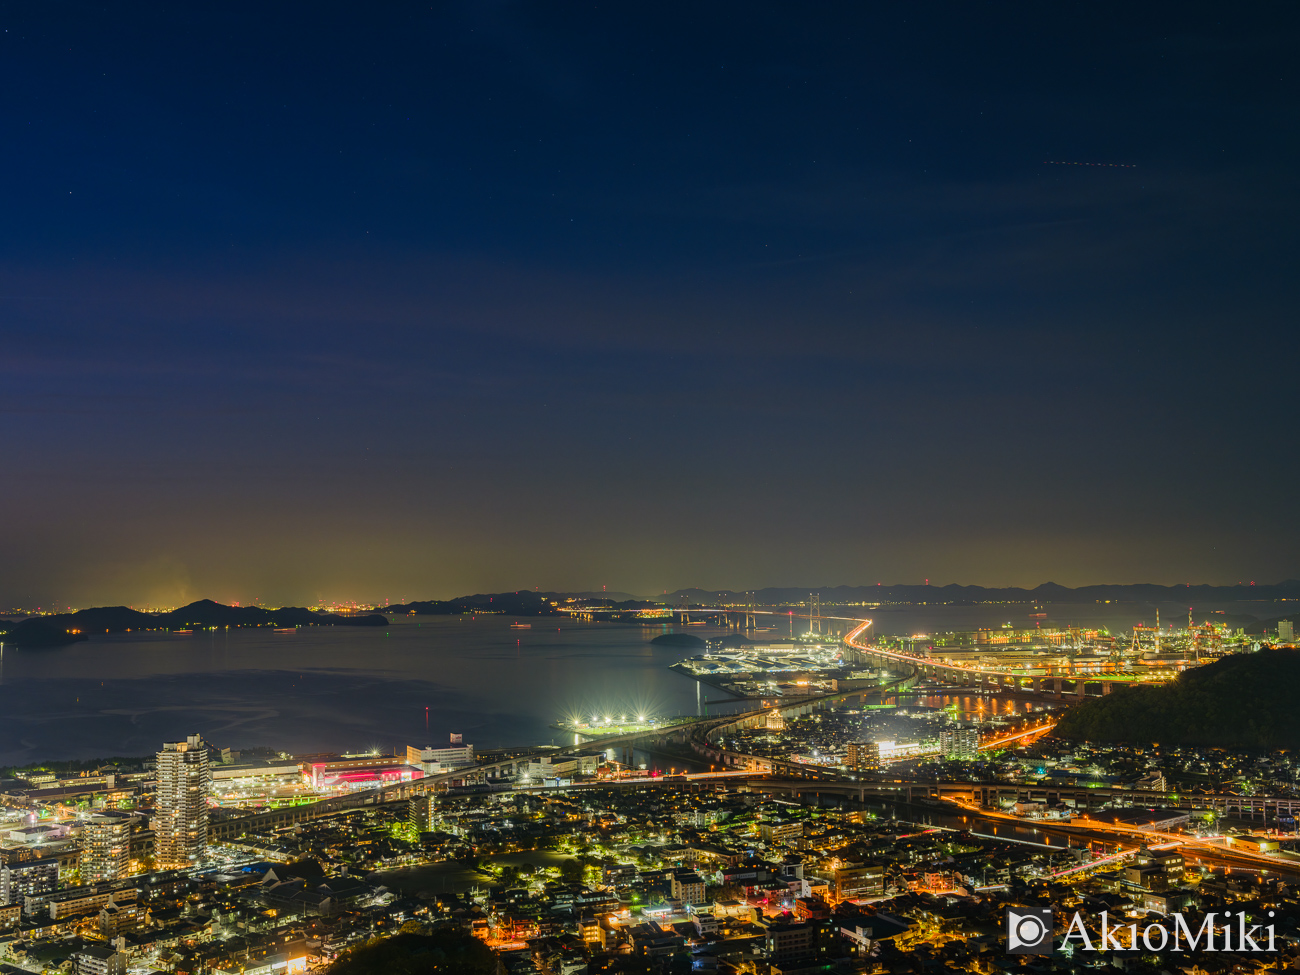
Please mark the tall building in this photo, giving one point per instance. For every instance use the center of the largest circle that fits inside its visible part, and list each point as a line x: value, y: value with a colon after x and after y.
x: 180, y: 824
x: 419, y: 810
x: 959, y: 742
x: 1285, y: 632
x: 105, y: 849
x: 864, y: 756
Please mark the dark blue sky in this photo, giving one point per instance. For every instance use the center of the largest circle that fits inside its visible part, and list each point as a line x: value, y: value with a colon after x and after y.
x: 327, y: 300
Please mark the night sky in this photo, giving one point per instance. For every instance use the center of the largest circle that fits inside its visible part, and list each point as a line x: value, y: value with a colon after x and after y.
x: 384, y: 301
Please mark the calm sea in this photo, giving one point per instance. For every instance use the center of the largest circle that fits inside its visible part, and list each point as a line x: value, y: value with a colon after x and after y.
x: 416, y: 681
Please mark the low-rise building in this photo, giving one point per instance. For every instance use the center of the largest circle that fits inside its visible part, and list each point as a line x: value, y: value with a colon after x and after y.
x: 780, y: 832
x: 76, y: 901
x: 791, y: 942
x: 118, y: 919
x: 442, y: 758
x: 705, y: 923
x: 852, y: 883
x: 101, y: 959
x: 281, y: 964
x: 653, y: 941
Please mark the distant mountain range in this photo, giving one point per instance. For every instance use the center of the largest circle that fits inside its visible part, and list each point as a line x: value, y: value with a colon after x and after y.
x: 522, y: 603
x: 64, y: 628
x: 1048, y: 592
x: 617, y: 597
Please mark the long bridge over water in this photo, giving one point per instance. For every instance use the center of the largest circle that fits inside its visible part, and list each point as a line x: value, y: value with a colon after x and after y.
x: 706, y: 737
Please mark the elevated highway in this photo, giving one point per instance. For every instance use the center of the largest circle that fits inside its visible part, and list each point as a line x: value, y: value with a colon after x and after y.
x: 986, y: 680
x: 783, y: 778
x: 992, y: 795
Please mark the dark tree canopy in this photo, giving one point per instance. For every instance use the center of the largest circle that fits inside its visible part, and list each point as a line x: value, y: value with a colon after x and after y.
x: 1246, y: 700
x: 445, y: 951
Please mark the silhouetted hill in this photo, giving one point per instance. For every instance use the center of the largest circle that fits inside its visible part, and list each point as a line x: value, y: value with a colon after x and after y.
x: 618, y: 597
x: 1048, y: 592
x: 110, y: 619
x: 204, y: 613
x: 600, y: 602
x: 207, y: 613
x: 510, y: 603
x: 38, y: 632
x: 1246, y: 700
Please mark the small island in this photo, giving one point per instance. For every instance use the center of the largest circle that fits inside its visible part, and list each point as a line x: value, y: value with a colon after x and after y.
x: 684, y: 641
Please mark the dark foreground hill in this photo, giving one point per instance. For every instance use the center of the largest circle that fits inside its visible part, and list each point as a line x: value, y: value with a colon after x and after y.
x: 445, y: 952
x: 64, y: 628
x: 1247, y: 700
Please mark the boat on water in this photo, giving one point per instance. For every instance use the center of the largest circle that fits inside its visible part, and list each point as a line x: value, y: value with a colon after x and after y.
x: 286, y: 629
x: 182, y: 631
x: 521, y: 626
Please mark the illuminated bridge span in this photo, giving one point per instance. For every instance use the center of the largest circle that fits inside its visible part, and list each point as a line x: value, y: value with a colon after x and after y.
x: 739, y: 617
x: 979, y: 680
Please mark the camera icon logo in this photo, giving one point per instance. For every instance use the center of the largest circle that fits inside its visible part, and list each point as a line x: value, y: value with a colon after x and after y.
x: 1029, y: 931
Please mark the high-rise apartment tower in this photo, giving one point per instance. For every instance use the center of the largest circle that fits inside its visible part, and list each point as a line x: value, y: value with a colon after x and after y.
x: 864, y: 756
x: 105, y: 849
x: 180, y: 825
x: 959, y: 742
